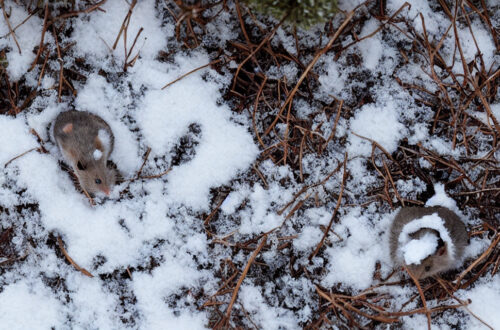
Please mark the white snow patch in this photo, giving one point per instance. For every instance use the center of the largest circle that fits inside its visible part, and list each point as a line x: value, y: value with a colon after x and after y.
x: 308, y: 238
x: 483, y: 116
x: 261, y: 219
x: 15, y: 128
x: 224, y: 148
x: 265, y: 316
x: 332, y: 80
x: 371, y: 48
x: 352, y: 261
x: 152, y: 289
x: 24, y: 306
x: 96, y: 33
x: 376, y: 122
x: 484, y: 297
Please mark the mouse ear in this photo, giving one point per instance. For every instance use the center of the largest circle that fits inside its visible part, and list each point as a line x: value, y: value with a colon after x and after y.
x: 441, y: 251
x: 98, y: 144
x: 80, y: 166
x: 68, y: 128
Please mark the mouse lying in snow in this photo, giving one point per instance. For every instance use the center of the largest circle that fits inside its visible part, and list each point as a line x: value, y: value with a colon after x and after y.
x: 427, y: 240
x: 86, y: 141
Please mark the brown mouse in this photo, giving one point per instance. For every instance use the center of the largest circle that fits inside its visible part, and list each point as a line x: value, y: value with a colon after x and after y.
x: 444, y: 256
x: 86, y: 141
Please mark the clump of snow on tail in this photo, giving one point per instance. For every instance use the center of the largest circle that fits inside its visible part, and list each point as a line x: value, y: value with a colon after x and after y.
x: 432, y: 221
x: 417, y: 250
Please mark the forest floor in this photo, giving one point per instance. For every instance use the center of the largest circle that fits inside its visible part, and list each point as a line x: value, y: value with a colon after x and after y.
x: 260, y: 164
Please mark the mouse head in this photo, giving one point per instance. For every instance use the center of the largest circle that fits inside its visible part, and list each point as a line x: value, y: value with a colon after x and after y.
x: 433, y: 264
x: 95, y: 177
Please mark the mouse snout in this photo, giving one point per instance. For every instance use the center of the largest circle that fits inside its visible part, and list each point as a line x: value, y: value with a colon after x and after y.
x: 106, y: 190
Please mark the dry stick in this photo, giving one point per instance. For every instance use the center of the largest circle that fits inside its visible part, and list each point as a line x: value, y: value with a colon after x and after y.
x: 392, y: 183
x: 42, y: 72
x: 192, y: 71
x: 375, y: 143
x: 18, y: 25
x: 487, y: 19
x: 477, y: 90
x: 19, y: 156
x: 285, y: 137
x: 242, y: 24
x: 256, y: 104
x: 127, y: 18
x: 83, y: 270
x: 305, y: 188
x: 291, y: 95
x: 242, y: 277
x: 261, y: 176
x: 339, y: 200
x: 379, y: 28
x: 214, y: 211
x: 333, y: 301
x: 85, y: 11
x: 443, y: 284
x: 15, y: 108
x: 263, y: 42
x: 146, y: 156
x: 91, y: 200
x: 127, y: 55
x: 332, y: 134
x: 478, y: 260
x: 301, y: 154
x: 466, y: 15
x: 135, y: 41
x: 2, y: 3
x: 422, y: 296
x: 59, y: 58
x: 297, y: 206
x: 156, y: 176
x: 40, y: 47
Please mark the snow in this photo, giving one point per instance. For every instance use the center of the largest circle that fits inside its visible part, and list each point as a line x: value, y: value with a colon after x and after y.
x: 376, y: 122
x: 29, y: 306
x: 27, y: 35
x: 483, y: 297
x: 371, y: 48
x: 352, y: 261
x: 97, y: 154
x: 417, y: 250
x: 440, y: 198
x: 432, y: 221
x: 154, y: 260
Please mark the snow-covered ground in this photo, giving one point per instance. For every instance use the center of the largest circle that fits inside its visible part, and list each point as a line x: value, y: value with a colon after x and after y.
x: 154, y: 262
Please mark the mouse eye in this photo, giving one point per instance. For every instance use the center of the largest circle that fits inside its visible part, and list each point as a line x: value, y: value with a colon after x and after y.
x: 98, y: 181
x: 427, y: 268
x: 80, y: 166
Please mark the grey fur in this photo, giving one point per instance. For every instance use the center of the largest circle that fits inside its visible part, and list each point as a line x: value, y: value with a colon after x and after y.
x: 436, y: 263
x: 79, y: 145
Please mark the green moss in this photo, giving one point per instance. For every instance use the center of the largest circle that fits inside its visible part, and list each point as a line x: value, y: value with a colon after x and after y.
x: 303, y: 13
